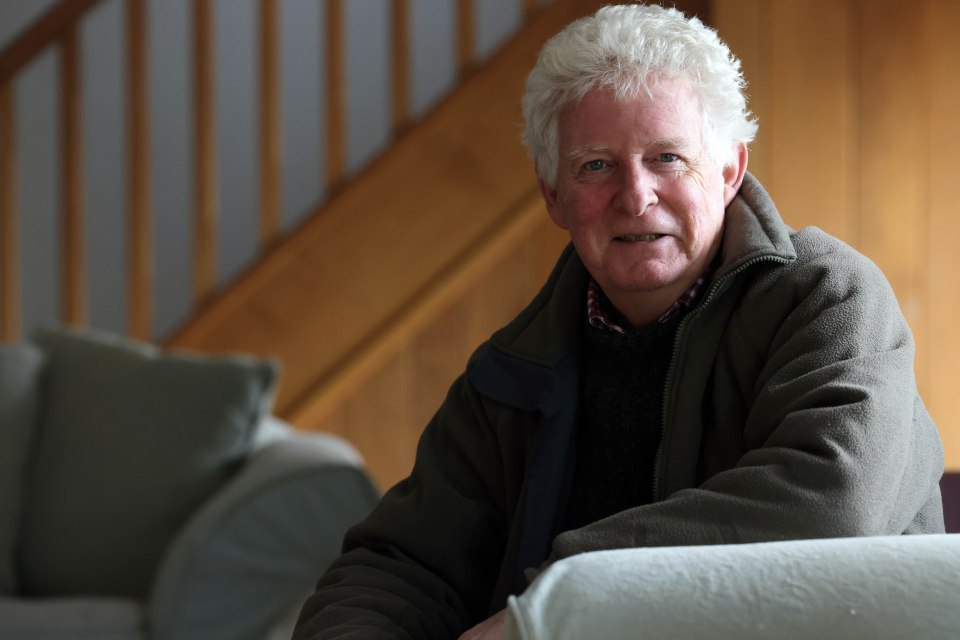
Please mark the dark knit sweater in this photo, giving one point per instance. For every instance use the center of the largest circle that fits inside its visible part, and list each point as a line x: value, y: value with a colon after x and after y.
x: 622, y: 378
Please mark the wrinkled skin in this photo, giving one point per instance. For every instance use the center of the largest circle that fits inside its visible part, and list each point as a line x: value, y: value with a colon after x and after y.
x: 640, y: 196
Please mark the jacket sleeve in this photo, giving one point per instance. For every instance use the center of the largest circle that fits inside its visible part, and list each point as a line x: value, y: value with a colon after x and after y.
x: 835, y: 441
x: 423, y: 564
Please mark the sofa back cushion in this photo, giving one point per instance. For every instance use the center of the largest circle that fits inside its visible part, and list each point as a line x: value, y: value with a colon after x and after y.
x: 131, y: 441
x: 20, y: 367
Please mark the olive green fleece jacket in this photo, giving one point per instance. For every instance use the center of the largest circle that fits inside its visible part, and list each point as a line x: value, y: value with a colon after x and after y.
x: 791, y: 411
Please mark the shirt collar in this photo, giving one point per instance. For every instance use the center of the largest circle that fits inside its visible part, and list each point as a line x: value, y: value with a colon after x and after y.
x: 598, y: 316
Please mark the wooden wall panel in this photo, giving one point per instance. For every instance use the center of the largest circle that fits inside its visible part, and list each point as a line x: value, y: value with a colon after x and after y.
x: 509, y: 287
x: 857, y: 102
x: 441, y: 352
x: 941, y: 50
x: 739, y: 23
x: 895, y: 157
x: 813, y: 83
x: 384, y: 417
x: 380, y: 419
x: 795, y: 77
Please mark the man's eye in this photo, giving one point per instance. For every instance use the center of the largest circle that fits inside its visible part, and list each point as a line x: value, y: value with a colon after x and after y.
x: 595, y: 165
x: 668, y: 158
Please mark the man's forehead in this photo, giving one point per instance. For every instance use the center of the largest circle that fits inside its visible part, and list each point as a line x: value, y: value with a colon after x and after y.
x: 656, y: 87
x: 600, y: 120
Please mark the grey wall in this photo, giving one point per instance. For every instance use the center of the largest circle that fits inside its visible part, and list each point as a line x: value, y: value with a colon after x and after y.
x: 368, y: 67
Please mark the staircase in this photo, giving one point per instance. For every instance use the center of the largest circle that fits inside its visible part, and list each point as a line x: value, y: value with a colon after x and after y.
x: 374, y: 300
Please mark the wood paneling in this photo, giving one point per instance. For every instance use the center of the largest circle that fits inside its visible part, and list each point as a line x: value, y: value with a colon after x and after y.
x: 894, y: 155
x: 357, y: 365
x: 857, y: 102
x: 941, y: 52
x: 793, y: 80
x: 741, y: 23
x: 384, y: 416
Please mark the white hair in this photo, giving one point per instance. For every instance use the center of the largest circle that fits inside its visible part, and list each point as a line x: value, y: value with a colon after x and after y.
x: 627, y: 49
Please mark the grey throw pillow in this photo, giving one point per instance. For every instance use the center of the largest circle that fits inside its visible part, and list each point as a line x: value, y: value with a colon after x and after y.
x: 20, y: 367
x: 131, y: 441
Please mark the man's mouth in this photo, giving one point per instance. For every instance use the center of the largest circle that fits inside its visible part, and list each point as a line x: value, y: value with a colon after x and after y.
x: 645, y: 237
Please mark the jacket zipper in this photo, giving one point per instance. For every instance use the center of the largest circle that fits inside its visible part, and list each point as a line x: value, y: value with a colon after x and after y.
x: 658, y: 459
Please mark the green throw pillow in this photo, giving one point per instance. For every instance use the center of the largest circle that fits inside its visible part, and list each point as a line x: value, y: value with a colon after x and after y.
x: 131, y: 441
x: 20, y: 367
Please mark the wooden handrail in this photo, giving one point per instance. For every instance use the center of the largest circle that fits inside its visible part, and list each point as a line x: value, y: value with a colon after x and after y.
x: 59, y: 28
x: 403, y: 237
x: 44, y: 32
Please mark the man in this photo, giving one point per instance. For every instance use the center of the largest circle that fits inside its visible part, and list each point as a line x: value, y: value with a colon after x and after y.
x: 693, y: 372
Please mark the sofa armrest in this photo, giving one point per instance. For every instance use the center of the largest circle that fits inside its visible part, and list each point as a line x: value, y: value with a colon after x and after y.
x: 881, y: 587
x: 255, y: 550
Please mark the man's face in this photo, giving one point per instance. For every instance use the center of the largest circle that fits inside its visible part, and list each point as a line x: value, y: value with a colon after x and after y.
x: 643, y: 202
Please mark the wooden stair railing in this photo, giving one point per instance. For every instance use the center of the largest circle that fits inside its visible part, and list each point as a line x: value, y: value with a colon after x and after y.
x: 59, y: 28
x: 392, y: 251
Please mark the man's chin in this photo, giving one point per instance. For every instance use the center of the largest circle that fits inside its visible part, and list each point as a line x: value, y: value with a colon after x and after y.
x: 648, y: 282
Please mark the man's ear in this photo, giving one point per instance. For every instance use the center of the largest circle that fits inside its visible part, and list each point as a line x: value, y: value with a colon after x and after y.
x: 550, y: 200
x: 733, y: 174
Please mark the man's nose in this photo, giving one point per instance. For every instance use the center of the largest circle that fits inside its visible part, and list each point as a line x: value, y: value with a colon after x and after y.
x: 637, y: 189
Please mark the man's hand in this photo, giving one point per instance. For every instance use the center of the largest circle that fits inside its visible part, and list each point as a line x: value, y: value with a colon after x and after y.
x: 489, y: 629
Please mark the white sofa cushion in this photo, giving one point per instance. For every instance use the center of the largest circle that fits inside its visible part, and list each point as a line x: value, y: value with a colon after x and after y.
x: 871, y: 588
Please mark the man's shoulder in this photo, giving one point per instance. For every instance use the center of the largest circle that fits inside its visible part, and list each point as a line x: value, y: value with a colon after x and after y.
x: 825, y: 260
x: 828, y: 278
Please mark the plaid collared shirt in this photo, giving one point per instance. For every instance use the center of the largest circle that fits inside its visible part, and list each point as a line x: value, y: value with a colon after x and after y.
x: 598, y: 317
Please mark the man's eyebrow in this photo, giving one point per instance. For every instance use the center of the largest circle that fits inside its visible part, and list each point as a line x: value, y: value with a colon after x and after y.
x: 681, y: 144
x: 671, y: 143
x: 579, y: 152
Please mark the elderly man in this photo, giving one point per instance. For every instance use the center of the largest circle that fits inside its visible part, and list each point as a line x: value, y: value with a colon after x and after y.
x: 693, y: 371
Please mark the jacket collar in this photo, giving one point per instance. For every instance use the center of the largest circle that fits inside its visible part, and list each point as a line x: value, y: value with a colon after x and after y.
x: 546, y: 329
x: 753, y: 229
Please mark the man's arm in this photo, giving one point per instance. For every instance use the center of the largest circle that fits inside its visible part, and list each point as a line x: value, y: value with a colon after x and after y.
x: 837, y: 442
x: 423, y: 564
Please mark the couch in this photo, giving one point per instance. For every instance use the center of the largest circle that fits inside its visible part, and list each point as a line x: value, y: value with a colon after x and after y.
x: 877, y: 588
x: 152, y: 495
